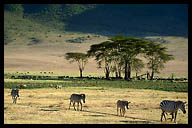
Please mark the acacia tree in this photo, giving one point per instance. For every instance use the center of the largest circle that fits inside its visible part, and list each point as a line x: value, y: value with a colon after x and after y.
x: 80, y: 58
x: 128, y: 49
x: 116, y: 53
x: 117, y: 65
x: 156, y: 55
x: 137, y: 65
x: 102, y: 54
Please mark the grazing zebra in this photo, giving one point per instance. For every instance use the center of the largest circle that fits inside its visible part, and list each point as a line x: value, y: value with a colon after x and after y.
x: 58, y: 86
x: 14, y: 94
x: 171, y: 107
x: 77, y: 98
x: 122, y: 105
x: 22, y: 86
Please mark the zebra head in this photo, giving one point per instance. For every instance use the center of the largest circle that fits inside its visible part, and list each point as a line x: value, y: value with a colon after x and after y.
x: 127, y: 104
x: 83, y: 97
x: 17, y: 90
x: 182, y: 106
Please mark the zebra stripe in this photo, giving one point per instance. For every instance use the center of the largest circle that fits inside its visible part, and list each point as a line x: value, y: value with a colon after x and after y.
x: 15, y: 94
x: 122, y: 105
x: 168, y: 106
x: 76, y: 98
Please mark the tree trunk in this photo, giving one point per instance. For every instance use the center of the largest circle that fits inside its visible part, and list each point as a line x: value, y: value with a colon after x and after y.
x: 126, y: 77
x: 148, y: 76
x: 116, y: 74
x: 129, y: 72
x: 107, y: 73
x: 81, y: 73
x: 152, y: 74
x: 119, y: 72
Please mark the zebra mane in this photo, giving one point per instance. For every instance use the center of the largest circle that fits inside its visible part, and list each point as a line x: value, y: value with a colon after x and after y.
x: 180, y: 102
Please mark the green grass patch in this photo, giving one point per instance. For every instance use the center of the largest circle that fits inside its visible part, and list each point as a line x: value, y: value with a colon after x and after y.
x: 9, y: 74
x: 154, y: 85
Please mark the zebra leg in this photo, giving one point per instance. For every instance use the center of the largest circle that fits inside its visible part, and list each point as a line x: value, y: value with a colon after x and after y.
x: 15, y: 99
x: 120, y: 112
x: 117, y: 111
x: 162, y: 114
x: 123, y: 112
x: 81, y: 106
x: 172, y: 116
x: 175, y: 117
x: 78, y: 106
x: 74, y: 106
x: 69, y: 105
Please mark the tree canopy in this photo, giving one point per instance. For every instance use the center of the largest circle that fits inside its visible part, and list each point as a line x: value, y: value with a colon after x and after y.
x: 80, y: 58
x: 156, y: 55
x: 121, y: 53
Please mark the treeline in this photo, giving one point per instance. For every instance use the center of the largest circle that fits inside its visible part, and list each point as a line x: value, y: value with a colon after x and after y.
x: 48, y: 11
x: 120, y: 55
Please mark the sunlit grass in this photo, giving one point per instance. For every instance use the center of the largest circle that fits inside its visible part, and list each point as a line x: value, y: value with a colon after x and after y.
x: 34, y: 105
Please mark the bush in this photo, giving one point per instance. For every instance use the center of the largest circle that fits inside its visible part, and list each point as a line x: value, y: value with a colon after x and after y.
x: 34, y: 41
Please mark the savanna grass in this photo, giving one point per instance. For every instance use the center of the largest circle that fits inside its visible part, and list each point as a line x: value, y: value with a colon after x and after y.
x: 154, y: 85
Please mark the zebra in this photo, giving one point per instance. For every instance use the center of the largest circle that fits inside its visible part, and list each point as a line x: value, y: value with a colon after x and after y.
x: 14, y: 94
x: 77, y: 98
x: 168, y: 106
x: 58, y: 86
x: 22, y: 86
x: 122, y: 105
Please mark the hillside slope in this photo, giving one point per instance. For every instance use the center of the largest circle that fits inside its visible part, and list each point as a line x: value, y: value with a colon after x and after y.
x: 109, y: 19
x: 133, y: 20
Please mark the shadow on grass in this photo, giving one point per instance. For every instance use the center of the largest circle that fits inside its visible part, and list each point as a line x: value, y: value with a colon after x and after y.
x: 144, y: 120
x: 49, y: 110
x: 97, y: 115
x: 136, y: 122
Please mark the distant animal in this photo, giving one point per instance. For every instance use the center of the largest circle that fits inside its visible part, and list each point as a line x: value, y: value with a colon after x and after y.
x: 22, y: 86
x: 76, y: 98
x: 51, y: 86
x: 122, y: 105
x: 58, y: 86
x: 15, y: 94
x: 168, y: 106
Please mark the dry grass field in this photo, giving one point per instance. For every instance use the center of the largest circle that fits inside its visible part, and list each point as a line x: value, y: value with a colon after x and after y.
x: 50, y: 106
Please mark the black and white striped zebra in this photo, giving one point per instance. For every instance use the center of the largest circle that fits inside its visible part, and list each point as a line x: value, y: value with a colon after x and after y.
x: 122, y: 105
x: 15, y: 94
x: 58, y: 86
x: 76, y: 98
x: 171, y: 107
